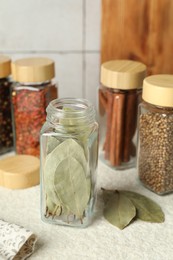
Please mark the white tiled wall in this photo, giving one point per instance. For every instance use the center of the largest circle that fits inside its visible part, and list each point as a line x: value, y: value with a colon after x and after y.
x: 66, y: 31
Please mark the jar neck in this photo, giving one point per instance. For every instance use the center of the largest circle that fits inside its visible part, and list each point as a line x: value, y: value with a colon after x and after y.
x: 5, y: 79
x: 119, y: 90
x: 156, y: 108
x: 71, y: 114
x: 34, y: 83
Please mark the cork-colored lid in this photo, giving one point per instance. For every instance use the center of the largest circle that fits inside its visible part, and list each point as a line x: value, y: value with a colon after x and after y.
x: 19, y: 171
x: 123, y: 74
x: 5, y: 66
x: 158, y: 90
x: 33, y: 70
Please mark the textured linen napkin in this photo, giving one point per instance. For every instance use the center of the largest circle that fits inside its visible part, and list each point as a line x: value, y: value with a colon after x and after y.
x: 16, y: 243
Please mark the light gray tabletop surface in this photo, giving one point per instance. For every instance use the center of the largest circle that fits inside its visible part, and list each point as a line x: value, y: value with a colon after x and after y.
x: 101, y: 240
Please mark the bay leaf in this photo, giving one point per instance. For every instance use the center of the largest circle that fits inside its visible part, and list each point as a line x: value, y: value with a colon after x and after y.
x: 53, y: 204
x: 107, y: 194
x: 67, y: 148
x: 52, y: 143
x: 147, y: 209
x: 52, y: 197
x: 72, y: 123
x: 93, y: 147
x: 71, y: 185
x: 119, y: 210
x: 50, y: 205
x: 89, y: 183
x: 51, y: 208
x: 73, y: 119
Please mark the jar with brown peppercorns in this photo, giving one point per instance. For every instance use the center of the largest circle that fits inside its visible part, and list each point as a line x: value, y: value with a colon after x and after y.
x: 31, y: 93
x: 6, y: 138
x: 155, y: 139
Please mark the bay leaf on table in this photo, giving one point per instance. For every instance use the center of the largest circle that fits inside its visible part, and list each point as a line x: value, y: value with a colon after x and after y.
x: 147, y: 209
x: 119, y: 210
x: 71, y: 185
x: 107, y: 194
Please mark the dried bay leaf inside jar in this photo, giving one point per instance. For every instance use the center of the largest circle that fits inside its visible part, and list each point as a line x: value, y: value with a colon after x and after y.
x: 119, y: 96
x: 6, y: 135
x: 69, y: 149
x: 31, y: 93
x: 155, y: 156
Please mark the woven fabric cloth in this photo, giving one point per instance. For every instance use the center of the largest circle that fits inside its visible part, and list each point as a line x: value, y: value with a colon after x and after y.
x: 16, y: 242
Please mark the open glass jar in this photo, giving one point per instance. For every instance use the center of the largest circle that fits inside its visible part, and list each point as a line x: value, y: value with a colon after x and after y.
x: 69, y: 153
x: 119, y: 96
x: 31, y: 93
x: 6, y: 136
x: 155, y: 142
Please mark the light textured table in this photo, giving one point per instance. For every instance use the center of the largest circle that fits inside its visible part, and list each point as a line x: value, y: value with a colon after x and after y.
x: 101, y: 240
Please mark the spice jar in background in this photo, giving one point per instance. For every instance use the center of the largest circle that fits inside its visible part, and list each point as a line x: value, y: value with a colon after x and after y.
x: 69, y: 154
x: 6, y: 137
x: 155, y: 141
x: 31, y: 93
x: 119, y: 95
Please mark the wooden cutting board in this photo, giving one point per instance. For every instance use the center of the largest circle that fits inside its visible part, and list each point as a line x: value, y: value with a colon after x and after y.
x: 140, y: 30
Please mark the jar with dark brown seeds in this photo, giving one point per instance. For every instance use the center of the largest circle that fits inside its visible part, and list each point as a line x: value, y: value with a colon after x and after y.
x: 6, y: 136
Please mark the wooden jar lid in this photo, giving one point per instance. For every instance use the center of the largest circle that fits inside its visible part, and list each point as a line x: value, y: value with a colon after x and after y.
x: 19, y: 171
x: 122, y: 74
x: 158, y: 90
x: 5, y: 66
x: 32, y: 70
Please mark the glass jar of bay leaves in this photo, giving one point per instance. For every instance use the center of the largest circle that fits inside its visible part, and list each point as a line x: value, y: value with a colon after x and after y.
x: 69, y: 154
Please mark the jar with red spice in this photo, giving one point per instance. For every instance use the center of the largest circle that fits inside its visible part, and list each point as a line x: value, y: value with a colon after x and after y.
x: 31, y: 93
x: 6, y: 137
x: 119, y: 96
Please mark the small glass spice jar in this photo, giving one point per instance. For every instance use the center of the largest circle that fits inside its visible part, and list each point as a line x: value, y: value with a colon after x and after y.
x: 6, y: 136
x: 31, y: 93
x: 69, y: 154
x: 155, y: 139
x: 119, y: 96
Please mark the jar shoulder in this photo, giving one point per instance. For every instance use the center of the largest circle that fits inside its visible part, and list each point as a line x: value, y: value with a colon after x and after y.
x: 145, y: 107
x: 49, y: 129
x: 33, y: 86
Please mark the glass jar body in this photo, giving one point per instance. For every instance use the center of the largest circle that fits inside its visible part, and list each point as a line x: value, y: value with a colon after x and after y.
x: 29, y: 102
x: 69, y: 154
x: 6, y: 136
x: 155, y: 147
x: 118, y: 122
